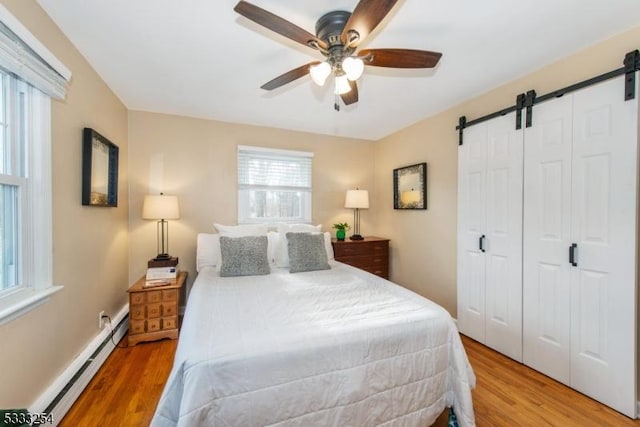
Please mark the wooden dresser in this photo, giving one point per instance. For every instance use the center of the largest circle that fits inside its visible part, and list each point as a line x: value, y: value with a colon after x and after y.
x: 153, y: 311
x: 370, y: 254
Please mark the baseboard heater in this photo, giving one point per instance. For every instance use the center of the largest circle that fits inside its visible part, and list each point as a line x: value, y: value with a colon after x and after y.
x: 61, y: 395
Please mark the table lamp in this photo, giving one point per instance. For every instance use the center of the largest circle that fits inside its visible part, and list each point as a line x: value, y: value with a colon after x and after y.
x: 356, y: 200
x: 161, y: 208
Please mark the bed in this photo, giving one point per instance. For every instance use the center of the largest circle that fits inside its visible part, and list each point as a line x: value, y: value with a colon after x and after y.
x: 334, y: 347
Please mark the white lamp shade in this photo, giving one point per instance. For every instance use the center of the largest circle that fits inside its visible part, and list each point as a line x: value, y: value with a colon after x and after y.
x: 353, y: 67
x: 357, y: 199
x: 160, y: 207
x: 320, y: 72
x: 342, y: 85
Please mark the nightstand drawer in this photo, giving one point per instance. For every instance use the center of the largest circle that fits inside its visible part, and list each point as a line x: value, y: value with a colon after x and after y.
x: 154, y: 310
x: 153, y: 325
x: 137, y: 312
x: 136, y: 327
x: 154, y: 296
x: 170, y: 295
x: 364, y: 248
x: 169, y: 323
x: 169, y: 309
x: 138, y: 298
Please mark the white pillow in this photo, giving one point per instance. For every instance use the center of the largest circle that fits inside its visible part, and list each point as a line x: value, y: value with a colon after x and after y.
x: 207, y: 250
x: 282, y: 250
x: 242, y: 230
x: 328, y: 246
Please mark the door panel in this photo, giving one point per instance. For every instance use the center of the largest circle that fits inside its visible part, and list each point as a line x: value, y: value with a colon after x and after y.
x: 471, y: 222
x: 547, y: 209
x: 603, y: 287
x: 503, y: 301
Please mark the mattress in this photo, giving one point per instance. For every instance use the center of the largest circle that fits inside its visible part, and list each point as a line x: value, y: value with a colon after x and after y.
x: 337, y: 347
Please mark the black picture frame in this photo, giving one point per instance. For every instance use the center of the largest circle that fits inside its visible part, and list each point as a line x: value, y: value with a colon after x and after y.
x: 410, y: 187
x: 99, y: 170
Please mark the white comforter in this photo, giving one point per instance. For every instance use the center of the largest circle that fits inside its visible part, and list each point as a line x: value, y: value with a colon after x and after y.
x: 339, y: 347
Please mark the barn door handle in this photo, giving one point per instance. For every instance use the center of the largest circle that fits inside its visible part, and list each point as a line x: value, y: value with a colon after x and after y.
x: 572, y: 254
x: 481, y: 243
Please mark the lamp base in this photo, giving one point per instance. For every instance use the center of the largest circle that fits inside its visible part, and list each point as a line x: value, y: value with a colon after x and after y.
x: 162, y: 257
x: 356, y: 237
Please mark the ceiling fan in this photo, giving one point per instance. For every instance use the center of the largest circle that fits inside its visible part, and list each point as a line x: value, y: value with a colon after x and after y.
x: 338, y: 35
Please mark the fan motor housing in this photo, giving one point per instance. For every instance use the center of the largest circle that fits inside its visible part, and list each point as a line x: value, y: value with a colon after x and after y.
x: 330, y: 25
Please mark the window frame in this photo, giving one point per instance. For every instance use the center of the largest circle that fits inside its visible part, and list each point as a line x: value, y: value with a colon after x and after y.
x: 35, y: 268
x: 243, y: 212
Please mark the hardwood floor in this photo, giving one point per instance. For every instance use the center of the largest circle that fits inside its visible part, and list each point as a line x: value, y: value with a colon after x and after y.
x: 126, y: 390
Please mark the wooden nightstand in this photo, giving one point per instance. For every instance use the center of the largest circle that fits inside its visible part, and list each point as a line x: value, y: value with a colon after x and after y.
x: 153, y: 312
x: 370, y: 254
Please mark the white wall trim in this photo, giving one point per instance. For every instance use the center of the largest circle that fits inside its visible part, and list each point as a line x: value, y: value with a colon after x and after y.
x: 638, y: 410
x: 63, y: 406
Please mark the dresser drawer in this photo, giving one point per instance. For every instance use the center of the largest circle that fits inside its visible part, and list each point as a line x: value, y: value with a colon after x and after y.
x: 365, y: 261
x: 364, y: 248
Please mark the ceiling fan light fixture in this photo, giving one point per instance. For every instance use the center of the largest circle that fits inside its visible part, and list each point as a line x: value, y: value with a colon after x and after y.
x: 342, y: 85
x: 353, y: 67
x: 320, y: 72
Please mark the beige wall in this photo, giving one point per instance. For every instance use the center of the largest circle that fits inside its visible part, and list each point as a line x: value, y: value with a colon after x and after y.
x: 90, y: 244
x: 424, y: 243
x: 196, y: 160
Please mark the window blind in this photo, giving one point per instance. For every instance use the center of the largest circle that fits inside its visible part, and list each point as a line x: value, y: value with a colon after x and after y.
x: 274, y: 169
x: 274, y: 185
x: 23, y: 55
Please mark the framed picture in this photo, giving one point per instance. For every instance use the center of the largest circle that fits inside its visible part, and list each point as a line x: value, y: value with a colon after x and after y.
x: 99, y: 170
x: 410, y: 187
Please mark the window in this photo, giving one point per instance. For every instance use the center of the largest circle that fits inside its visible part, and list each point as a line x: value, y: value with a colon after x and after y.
x: 27, y: 81
x: 274, y: 185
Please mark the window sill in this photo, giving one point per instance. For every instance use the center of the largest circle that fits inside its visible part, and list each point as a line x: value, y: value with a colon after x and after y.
x: 24, y: 301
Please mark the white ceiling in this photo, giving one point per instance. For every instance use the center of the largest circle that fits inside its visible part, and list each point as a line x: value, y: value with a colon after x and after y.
x: 199, y: 58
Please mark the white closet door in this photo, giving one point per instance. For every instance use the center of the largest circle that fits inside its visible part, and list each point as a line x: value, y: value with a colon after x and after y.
x: 503, y: 297
x: 547, y: 209
x: 472, y: 157
x: 603, y: 316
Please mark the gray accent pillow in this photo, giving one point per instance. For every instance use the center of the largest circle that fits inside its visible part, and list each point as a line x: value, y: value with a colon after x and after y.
x: 306, y: 252
x: 244, y: 256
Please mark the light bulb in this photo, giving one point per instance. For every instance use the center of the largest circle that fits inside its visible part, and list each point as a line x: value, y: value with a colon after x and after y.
x: 353, y: 67
x: 320, y: 72
x: 342, y: 85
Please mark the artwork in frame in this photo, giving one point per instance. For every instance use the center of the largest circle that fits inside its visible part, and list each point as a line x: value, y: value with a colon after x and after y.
x: 410, y: 187
x: 99, y: 170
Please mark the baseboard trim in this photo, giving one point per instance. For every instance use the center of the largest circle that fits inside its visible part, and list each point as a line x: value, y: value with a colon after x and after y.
x: 58, y: 398
x: 638, y: 410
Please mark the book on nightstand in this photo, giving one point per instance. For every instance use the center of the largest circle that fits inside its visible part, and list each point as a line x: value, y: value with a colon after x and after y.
x: 161, y: 272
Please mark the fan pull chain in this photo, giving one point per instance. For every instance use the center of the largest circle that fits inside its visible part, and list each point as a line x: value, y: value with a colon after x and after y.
x: 336, y: 104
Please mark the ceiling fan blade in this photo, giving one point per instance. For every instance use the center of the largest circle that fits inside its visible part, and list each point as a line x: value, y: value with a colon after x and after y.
x: 277, y: 24
x: 288, y: 77
x: 400, y: 58
x: 365, y: 17
x: 350, y: 97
